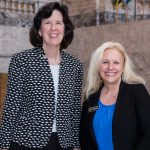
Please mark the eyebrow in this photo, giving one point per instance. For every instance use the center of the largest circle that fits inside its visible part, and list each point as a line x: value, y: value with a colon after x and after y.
x: 109, y: 60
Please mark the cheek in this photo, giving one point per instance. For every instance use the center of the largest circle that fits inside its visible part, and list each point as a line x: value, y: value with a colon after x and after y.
x: 62, y: 30
x: 44, y: 28
x: 101, y: 70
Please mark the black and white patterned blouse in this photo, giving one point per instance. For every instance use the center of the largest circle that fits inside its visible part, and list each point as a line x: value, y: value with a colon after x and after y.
x: 30, y: 101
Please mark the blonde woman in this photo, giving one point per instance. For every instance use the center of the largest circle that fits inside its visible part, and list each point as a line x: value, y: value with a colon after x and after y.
x: 116, y: 110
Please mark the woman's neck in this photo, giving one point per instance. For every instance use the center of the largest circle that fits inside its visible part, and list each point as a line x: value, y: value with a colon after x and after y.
x: 109, y: 93
x: 110, y: 90
x: 52, y: 54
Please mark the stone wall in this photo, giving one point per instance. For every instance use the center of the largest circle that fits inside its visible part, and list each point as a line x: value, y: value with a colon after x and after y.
x: 79, y: 7
x: 134, y: 36
x: 82, y: 12
x: 12, y: 40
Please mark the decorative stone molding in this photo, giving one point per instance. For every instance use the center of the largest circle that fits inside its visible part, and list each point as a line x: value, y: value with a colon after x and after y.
x: 18, y: 6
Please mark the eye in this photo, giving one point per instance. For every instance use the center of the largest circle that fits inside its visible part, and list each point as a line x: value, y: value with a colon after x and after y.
x: 59, y: 22
x: 46, y: 22
x: 116, y: 62
x: 104, y: 62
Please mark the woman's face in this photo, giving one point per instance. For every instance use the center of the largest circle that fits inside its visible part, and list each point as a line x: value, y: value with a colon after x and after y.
x: 111, y: 66
x: 52, y: 29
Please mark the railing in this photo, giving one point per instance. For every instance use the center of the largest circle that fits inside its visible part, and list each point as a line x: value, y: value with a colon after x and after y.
x: 20, y: 6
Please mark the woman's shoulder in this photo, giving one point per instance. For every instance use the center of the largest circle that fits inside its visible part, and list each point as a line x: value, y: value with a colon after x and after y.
x: 27, y: 52
x: 92, y: 99
x: 23, y: 54
x: 69, y: 57
x: 133, y: 85
x: 136, y: 87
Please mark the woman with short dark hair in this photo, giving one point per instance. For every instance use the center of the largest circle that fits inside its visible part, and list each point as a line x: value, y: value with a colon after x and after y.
x: 42, y: 106
x: 43, y: 13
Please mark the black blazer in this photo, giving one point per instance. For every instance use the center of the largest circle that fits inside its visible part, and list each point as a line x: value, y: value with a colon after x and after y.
x: 30, y: 101
x: 131, y: 119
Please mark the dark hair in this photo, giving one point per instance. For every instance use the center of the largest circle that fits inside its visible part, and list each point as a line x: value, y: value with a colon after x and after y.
x: 44, y: 13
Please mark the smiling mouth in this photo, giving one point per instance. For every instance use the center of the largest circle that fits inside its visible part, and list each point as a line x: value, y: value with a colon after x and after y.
x: 110, y: 73
x: 53, y: 35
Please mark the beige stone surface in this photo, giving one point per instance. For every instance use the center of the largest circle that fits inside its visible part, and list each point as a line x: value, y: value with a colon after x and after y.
x: 134, y: 36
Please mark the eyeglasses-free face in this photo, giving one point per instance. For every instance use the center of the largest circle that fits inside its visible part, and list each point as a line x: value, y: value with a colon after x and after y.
x: 111, y: 66
x: 52, y: 30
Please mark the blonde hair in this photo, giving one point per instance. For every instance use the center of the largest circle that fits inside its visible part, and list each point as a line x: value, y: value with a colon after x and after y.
x: 94, y: 80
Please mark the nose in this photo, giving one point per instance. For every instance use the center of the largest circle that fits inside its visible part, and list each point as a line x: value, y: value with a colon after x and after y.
x: 110, y: 65
x: 53, y: 26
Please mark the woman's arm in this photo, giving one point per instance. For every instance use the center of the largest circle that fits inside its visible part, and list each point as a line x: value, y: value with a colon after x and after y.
x: 84, y: 126
x: 12, y: 101
x: 76, y: 108
x: 85, y: 134
x: 143, y: 116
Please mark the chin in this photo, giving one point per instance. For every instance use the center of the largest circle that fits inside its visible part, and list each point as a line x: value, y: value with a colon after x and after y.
x: 112, y: 81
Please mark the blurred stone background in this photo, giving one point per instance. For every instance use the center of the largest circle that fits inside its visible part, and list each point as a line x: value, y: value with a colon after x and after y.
x: 96, y: 21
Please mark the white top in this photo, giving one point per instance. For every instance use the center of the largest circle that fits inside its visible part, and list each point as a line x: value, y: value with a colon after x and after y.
x: 55, y: 75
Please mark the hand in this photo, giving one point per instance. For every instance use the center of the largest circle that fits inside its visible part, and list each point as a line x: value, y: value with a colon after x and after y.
x: 3, y: 149
x: 76, y: 149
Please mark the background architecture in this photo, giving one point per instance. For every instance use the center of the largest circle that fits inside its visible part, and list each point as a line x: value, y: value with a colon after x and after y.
x: 96, y: 21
